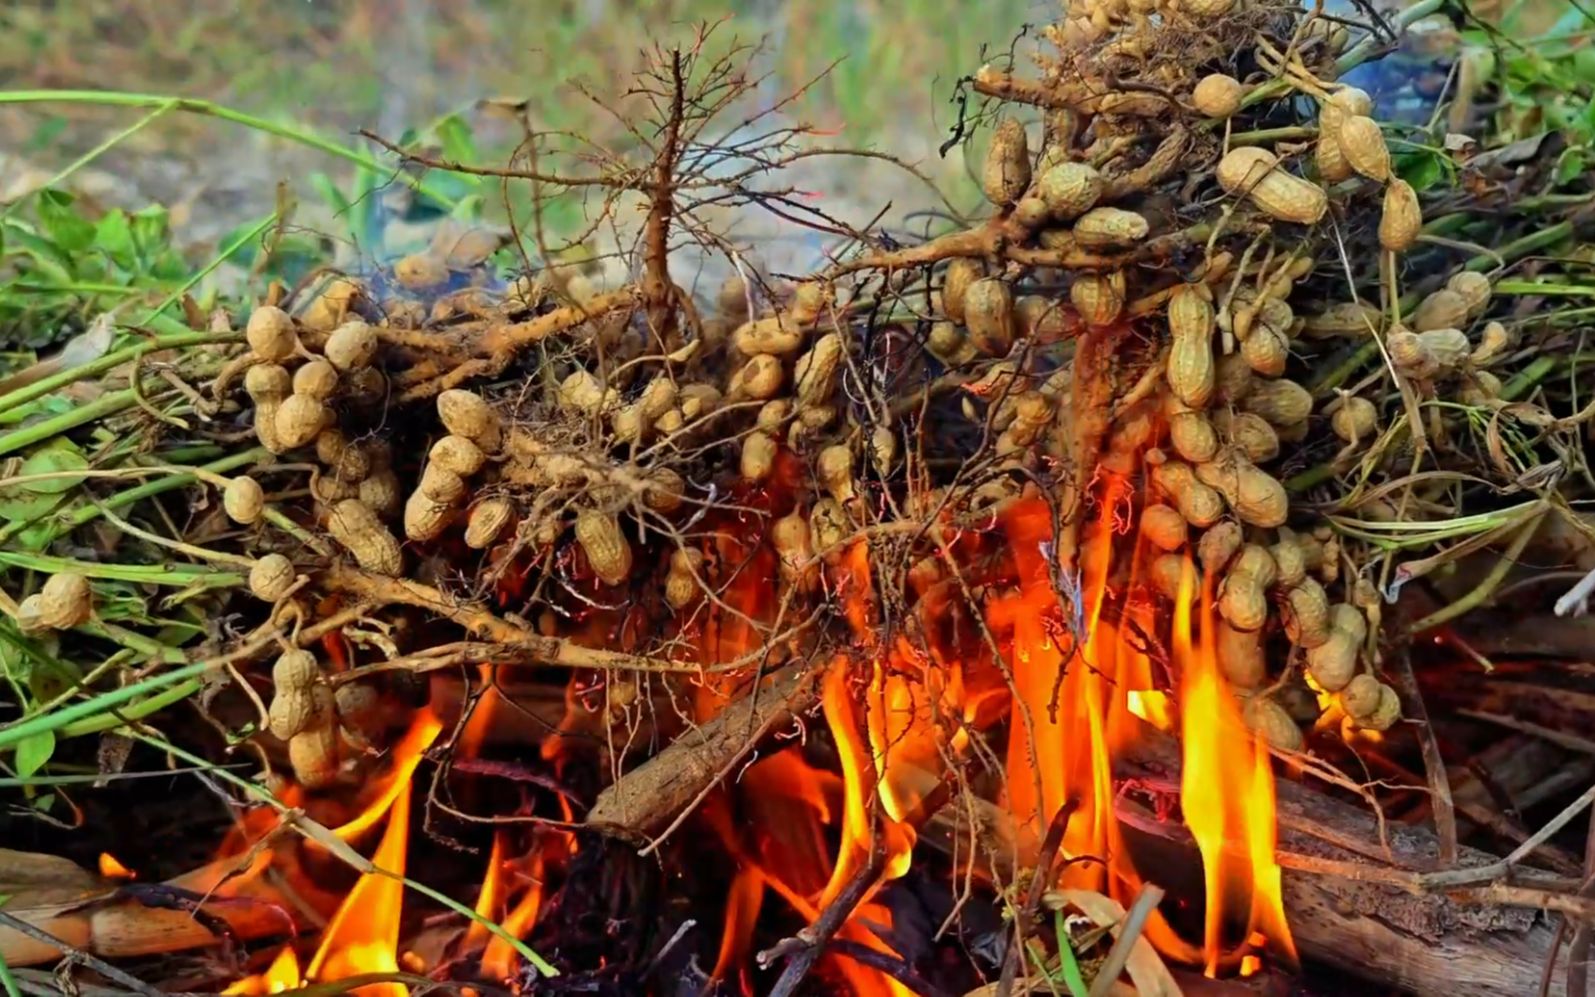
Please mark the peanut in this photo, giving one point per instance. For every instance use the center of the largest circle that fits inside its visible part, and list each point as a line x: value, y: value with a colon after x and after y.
x: 270, y: 334
x: 1401, y: 219
x: 1347, y: 318
x: 1069, y: 189
x: 1442, y: 309
x: 318, y: 379
x: 1191, y: 371
x: 1217, y: 95
x: 1098, y: 298
x: 1200, y: 505
x: 1218, y: 546
x: 989, y: 315
x: 1280, y: 401
x: 486, y: 521
x: 465, y: 413
x: 243, y: 500
x: 1364, y: 147
x: 1232, y: 378
x: 441, y: 485
x: 1494, y: 343
x: 1006, y: 172
x: 608, y: 552
x: 815, y: 373
x: 1164, y: 527
x: 1249, y: 432
x: 758, y: 379
x: 361, y: 533
x: 294, y: 676
x: 1473, y: 288
x: 351, y: 346
x: 758, y: 455
x: 1386, y: 713
x: 271, y: 577
x: 299, y: 419
x: 1255, y: 495
x: 1192, y: 436
x: 829, y: 526
x: 379, y: 492
x: 961, y: 273
x: 681, y: 584
x: 1273, y: 722
x: 65, y: 600
x: 664, y: 490
x: 1255, y: 173
x: 1165, y: 572
x: 948, y: 343
x: 1306, y: 613
x: 1041, y: 319
x: 456, y: 454
x: 1240, y: 655
x: 582, y: 392
x: 834, y: 468
x: 1241, y: 601
x: 313, y: 752
x: 1356, y: 419
x: 1360, y: 698
x: 789, y: 535
x: 1266, y: 350
x: 774, y: 334
x: 1108, y: 228
x: 1289, y: 559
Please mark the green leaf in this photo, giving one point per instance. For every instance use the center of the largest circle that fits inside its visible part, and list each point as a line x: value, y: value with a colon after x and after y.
x: 458, y: 142
x: 114, y: 235
x: 1421, y: 169
x: 151, y: 229
x: 34, y: 751
x: 1571, y: 167
x: 69, y: 230
x: 60, y: 458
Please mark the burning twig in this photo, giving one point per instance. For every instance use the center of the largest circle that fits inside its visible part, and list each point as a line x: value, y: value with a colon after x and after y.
x: 802, y: 950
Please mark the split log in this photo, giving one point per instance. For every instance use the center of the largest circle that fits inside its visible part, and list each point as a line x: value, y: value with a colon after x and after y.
x: 651, y: 796
x: 1458, y: 943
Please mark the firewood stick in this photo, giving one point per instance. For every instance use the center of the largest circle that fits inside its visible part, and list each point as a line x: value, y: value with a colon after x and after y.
x: 1470, y: 942
x: 654, y: 795
x: 115, y: 926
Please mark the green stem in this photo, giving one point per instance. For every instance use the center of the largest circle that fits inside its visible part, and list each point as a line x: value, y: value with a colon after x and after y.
x: 56, y: 720
x: 88, y: 513
x: 101, y: 407
x: 221, y: 257
x: 179, y: 575
x: 138, y: 711
x: 110, y: 361
x: 1528, y: 377
x: 8, y: 981
x: 194, y: 105
x: 1541, y: 287
x: 97, y: 151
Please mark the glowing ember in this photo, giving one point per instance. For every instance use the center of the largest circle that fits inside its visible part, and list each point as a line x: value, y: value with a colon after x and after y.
x: 110, y: 868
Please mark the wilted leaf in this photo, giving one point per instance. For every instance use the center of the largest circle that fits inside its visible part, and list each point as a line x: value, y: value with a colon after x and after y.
x: 1147, y: 971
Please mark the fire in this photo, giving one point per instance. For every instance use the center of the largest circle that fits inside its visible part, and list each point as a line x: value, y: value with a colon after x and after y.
x: 407, y: 755
x: 499, y: 960
x: 110, y: 868
x: 1067, y: 728
x: 281, y: 975
x: 1226, y: 791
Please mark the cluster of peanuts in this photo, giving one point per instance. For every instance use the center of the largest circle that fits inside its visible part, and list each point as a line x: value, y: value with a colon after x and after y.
x: 322, y: 725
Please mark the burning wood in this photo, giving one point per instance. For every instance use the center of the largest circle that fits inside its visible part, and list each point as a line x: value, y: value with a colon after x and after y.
x: 766, y: 581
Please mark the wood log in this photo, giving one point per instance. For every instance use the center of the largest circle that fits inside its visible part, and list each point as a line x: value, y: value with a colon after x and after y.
x: 646, y: 799
x: 1422, y: 942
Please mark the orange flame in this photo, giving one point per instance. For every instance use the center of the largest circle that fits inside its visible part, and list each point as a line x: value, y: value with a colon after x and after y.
x: 1226, y: 792
x: 363, y: 935
x: 110, y: 868
x: 500, y: 959
x: 407, y: 755
x: 281, y: 975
